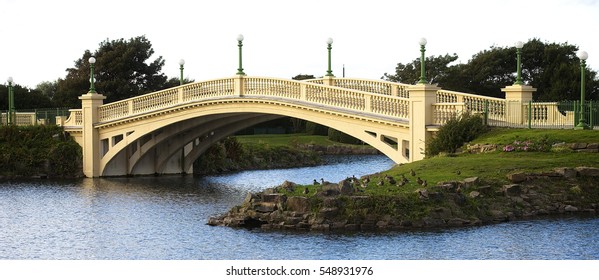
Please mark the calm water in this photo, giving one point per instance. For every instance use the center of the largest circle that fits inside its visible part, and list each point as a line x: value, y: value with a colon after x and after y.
x: 165, y: 218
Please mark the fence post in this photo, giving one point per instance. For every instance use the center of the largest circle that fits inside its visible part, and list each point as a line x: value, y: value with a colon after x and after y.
x: 591, y: 115
x: 529, y: 113
x: 486, y: 112
x: 576, y: 114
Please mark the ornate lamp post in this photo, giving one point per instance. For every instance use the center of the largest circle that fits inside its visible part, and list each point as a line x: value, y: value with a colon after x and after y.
x: 240, y: 45
x: 422, y: 43
x: 581, y: 121
x: 11, y: 102
x: 519, y: 46
x: 329, y: 47
x: 92, y: 62
x: 181, y: 63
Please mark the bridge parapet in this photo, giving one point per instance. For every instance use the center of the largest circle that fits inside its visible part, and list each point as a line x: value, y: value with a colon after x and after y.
x: 373, y: 86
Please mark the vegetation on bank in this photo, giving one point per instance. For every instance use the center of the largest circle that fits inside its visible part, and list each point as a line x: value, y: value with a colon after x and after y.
x: 38, y: 151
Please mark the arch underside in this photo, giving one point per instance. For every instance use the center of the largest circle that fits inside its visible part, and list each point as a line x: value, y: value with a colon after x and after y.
x: 169, y: 142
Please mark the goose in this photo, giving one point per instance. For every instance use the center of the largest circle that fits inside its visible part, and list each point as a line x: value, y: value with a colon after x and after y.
x: 316, y: 182
x: 412, y: 172
x: 419, y: 181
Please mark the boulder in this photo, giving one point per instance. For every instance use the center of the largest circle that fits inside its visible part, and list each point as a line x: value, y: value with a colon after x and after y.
x: 570, y: 208
x: 588, y: 171
x: 274, y: 198
x: 512, y: 190
x: 298, y: 204
x: 578, y: 146
x: 345, y: 188
x: 470, y: 181
x: 517, y: 177
x: 566, y: 172
x: 474, y: 194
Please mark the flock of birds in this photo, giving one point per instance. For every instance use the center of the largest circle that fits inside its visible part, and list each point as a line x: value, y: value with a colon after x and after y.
x: 385, y: 180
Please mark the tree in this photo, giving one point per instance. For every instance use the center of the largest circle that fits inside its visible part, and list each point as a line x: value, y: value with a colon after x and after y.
x: 553, y: 69
x: 437, y: 68
x: 47, y: 88
x: 121, y: 71
x: 303, y: 77
x: 25, y: 98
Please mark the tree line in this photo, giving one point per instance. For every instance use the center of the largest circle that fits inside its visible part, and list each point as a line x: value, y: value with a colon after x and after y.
x: 552, y: 68
x: 124, y: 69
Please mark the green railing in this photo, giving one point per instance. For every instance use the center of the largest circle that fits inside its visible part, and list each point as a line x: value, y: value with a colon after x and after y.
x: 24, y: 117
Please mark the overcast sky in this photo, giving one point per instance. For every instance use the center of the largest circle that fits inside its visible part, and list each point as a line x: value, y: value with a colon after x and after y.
x: 39, y: 39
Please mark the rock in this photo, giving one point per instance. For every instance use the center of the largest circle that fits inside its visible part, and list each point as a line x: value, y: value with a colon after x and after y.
x: 249, y: 198
x: 274, y: 198
x: 588, y: 171
x: 328, y: 212
x: 298, y: 204
x: 593, y: 146
x: 484, y: 189
x: 265, y: 207
x: 345, y: 188
x: 456, y: 222
x: 578, y: 146
x: 498, y: 216
x: 331, y: 202
x: 566, y: 172
x: 468, y: 182
x: 512, y: 190
x: 517, y: 177
x: 570, y: 208
x: 329, y: 190
x: 474, y: 194
x: 289, y: 186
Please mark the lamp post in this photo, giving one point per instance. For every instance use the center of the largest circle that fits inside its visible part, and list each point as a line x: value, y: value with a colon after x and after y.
x: 422, y: 43
x: 11, y: 102
x: 581, y: 121
x: 329, y: 47
x: 181, y: 63
x: 92, y: 62
x: 240, y: 45
x: 519, y: 46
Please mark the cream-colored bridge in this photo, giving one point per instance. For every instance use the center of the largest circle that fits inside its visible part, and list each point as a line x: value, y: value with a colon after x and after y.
x: 166, y: 131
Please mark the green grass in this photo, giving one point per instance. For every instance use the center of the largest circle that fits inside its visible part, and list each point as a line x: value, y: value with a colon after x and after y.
x: 286, y: 140
x: 505, y: 136
x: 491, y: 167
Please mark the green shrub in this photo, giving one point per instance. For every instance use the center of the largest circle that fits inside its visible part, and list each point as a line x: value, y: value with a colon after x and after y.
x: 316, y: 129
x: 453, y: 134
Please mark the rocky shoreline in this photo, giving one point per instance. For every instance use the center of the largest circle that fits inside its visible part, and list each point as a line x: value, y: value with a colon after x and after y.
x: 470, y: 202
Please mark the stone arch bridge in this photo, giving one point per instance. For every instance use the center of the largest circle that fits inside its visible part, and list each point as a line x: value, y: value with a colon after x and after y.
x: 166, y: 131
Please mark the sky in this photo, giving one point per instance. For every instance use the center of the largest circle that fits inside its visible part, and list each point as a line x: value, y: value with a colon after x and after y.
x: 40, y: 39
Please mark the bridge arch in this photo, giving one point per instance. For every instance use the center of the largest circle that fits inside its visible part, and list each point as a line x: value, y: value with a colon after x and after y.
x: 170, y: 143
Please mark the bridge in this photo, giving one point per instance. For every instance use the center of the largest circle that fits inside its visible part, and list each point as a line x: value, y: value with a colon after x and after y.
x: 166, y: 131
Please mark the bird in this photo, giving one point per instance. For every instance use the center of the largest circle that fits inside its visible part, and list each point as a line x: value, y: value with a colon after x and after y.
x: 381, y: 183
x: 306, y: 190
x: 366, y: 180
x: 419, y: 181
x: 390, y: 179
x: 412, y: 172
x: 401, y: 183
x: 316, y: 182
x: 323, y: 182
x: 458, y: 172
x: 404, y: 180
x: 424, y: 183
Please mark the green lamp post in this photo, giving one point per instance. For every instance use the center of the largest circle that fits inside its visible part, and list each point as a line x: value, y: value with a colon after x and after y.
x: 181, y: 63
x: 240, y: 45
x: 329, y: 47
x: 92, y: 62
x: 11, y: 103
x: 422, y: 43
x: 519, y: 46
x: 581, y: 121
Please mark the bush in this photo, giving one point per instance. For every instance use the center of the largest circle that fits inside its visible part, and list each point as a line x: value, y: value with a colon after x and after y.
x: 316, y: 129
x: 34, y: 150
x: 453, y: 134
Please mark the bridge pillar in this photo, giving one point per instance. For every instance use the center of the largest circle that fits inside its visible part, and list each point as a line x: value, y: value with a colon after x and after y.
x: 91, y: 136
x: 422, y: 97
x: 516, y: 97
x: 328, y: 80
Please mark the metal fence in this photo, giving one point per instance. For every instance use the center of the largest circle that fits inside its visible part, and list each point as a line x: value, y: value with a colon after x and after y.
x: 557, y: 115
x: 34, y: 116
